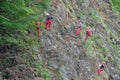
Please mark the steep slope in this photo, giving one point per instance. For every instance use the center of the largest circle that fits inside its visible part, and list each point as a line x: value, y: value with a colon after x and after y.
x: 60, y: 55
x: 67, y: 55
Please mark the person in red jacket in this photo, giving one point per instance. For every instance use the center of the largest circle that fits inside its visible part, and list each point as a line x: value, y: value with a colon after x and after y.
x: 88, y: 34
x: 101, y: 68
x: 38, y: 27
x: 48, y: 21
x: 79, y: 27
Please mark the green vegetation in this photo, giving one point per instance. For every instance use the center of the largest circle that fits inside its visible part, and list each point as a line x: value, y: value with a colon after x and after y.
x: 115, y: 4
x: 97, y: 43
x: 17, y: 19
x: 39, y: 67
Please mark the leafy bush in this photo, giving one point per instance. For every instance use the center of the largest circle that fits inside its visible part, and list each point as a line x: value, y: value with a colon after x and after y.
x: 17, y: 18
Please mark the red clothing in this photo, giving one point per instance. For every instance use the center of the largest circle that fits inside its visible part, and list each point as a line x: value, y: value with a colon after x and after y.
x: 48, y: 24
x: 38, y: 28
x: 99, y: 71
x: 88, y: 32
x: 78, y: 31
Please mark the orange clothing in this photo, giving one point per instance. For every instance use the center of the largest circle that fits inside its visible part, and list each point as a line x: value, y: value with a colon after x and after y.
x: 38, y: 28
x: 37, y: 23
x: 38, y: 31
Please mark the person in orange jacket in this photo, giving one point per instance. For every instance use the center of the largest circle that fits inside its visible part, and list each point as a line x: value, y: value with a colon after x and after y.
x: 88, y: 34
x: 79, y: 27
x: 101, y: 68
x: 48, y: 21
x: 38, y: 27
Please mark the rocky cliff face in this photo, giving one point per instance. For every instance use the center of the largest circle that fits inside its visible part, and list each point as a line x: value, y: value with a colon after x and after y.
x: 66, y: 56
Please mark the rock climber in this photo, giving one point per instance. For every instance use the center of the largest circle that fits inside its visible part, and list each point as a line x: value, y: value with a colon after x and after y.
x: 38, y: 23
x: 88, y: 34
x: 48, y: 21
x: 38, y: 27
x: 101, y: 68
x: 79, y: 27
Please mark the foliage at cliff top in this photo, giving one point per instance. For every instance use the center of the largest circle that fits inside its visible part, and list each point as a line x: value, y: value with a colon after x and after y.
x: 17, y: 20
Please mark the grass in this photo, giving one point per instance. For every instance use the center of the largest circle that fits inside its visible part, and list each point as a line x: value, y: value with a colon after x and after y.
x: 115, y: 5
x: 15, y: 27
x: 19, y: 29
x: 38, y: 66
x: 101, y: 49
